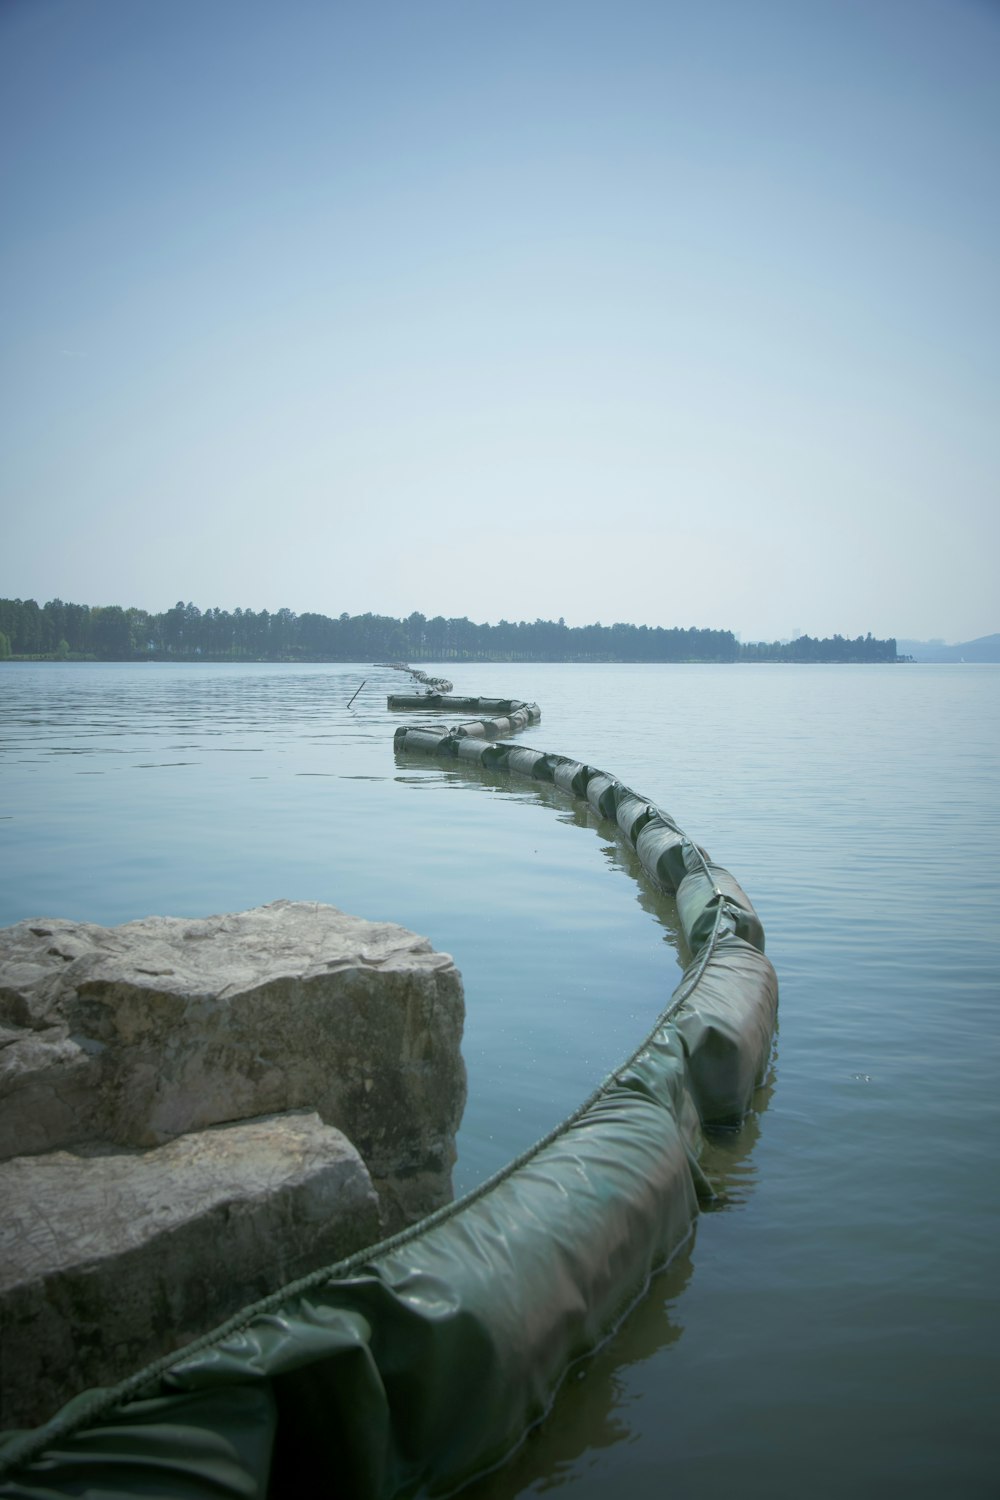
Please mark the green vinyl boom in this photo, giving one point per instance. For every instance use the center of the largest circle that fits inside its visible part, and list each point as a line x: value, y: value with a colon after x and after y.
x: 422, y: 1361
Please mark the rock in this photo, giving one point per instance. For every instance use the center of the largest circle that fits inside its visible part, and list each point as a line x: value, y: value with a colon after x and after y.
x: 108, y: 1261
x: 134, y: 1035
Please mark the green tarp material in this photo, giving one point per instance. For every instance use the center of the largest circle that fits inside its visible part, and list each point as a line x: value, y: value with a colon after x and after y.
x: 726, y: 1028
x: 570, y: 775
x: 533, y: 763
x: 662, y: 848
x: 493, y: 706
x: 632, y: 813
x: 698, y: 896
x: 413, y: 1367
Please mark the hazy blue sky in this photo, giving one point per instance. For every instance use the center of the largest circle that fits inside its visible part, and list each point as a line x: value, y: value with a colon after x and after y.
x: 677, y: 313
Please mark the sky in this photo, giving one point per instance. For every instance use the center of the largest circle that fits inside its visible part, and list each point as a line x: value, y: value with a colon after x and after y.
x: 670, y: 313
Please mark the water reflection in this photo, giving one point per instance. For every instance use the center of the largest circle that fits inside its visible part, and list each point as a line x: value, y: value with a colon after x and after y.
x: 727, y: 1159
x: 595, y: 1408
x: 104, y: 702
x: 590, y: 1412
x: 572, y: 812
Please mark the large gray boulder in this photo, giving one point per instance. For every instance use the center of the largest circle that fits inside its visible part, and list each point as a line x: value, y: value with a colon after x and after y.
x: 108, y: 1261
x: 134, y: 1035
x: 136, y: 1214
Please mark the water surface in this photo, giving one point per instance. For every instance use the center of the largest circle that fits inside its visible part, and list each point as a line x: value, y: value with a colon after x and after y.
x: 835, y: 1323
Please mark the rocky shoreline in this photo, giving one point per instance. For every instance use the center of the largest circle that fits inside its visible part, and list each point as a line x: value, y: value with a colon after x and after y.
x: 195, y: 1112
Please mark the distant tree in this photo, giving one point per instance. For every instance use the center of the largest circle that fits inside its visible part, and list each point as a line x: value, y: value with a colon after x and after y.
x: 77, y: 627
x: 112, y: 638
x: 28, y: 641
x: 172, y: 628
x: 415, y: 635
x: 282, y: 632
x: 140, y: 629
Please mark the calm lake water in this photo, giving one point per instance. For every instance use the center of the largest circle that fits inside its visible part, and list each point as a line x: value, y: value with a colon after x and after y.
x: 834, y: 1326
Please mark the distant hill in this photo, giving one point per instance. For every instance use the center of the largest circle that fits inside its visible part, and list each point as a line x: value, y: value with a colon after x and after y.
x: 985, y: 648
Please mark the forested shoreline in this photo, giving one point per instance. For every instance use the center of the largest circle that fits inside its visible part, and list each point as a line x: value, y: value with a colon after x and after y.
x: 82, y: 632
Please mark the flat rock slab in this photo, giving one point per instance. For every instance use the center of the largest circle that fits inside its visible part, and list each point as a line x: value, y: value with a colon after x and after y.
x: 109, y: 1261
x: 134, y: 1035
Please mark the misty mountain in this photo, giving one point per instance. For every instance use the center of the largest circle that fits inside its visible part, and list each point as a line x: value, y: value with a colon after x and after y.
x: 984, y: 648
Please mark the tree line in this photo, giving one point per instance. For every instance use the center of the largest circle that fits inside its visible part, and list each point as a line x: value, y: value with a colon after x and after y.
x: 186, y: 633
